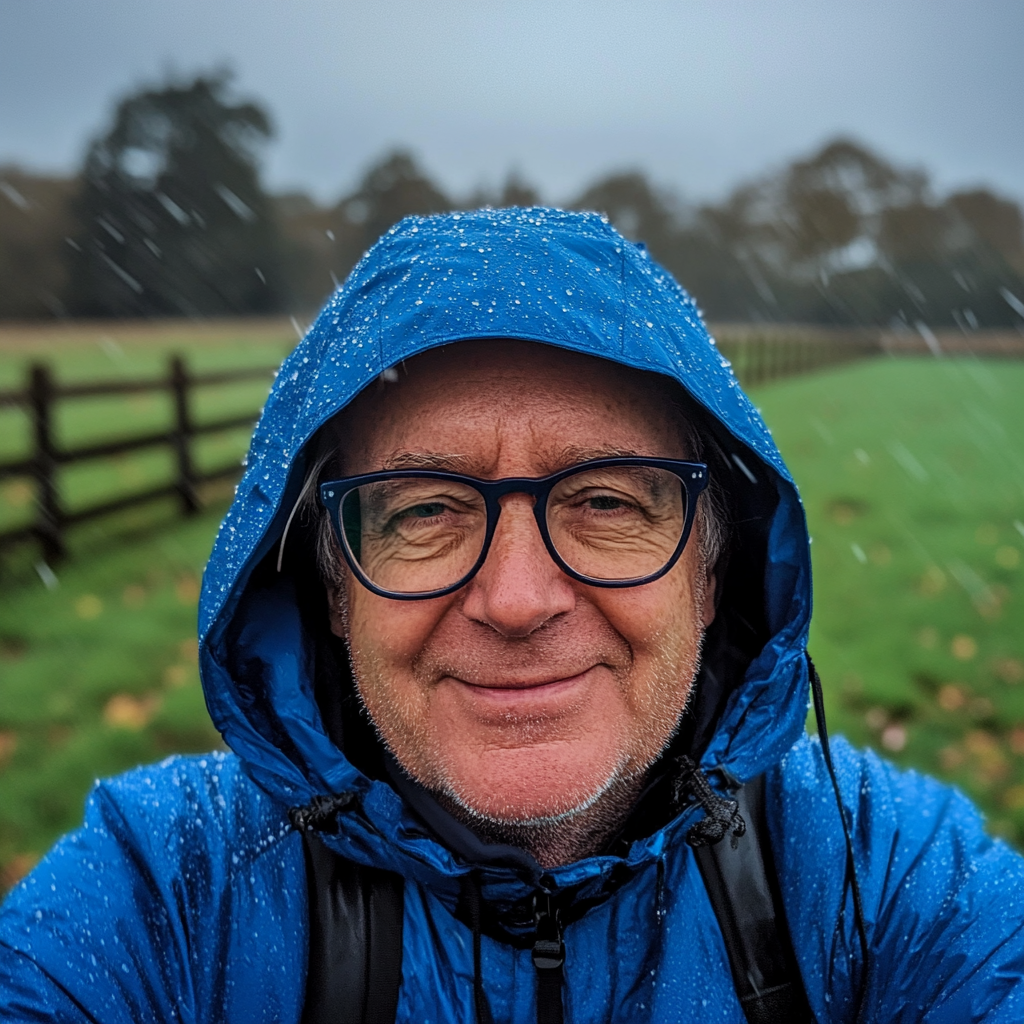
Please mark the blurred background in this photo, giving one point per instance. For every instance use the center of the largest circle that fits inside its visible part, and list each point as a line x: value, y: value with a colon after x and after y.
x: 181, y: 187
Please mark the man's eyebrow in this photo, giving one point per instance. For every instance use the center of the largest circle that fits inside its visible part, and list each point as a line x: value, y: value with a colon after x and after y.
x: 447, y: 461
x: 571, y: 454
x: 452, y: 462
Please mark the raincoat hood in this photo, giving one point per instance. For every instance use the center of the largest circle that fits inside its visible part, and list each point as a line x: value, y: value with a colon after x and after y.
x: 549, y: 276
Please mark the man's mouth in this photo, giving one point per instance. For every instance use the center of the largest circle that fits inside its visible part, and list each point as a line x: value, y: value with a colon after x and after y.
x: 536, y: 696
x: 529, y: 683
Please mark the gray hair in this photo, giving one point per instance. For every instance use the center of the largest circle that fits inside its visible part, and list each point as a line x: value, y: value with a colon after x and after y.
x: 712, y: 520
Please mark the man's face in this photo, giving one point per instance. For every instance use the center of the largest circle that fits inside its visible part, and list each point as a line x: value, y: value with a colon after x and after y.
x: 524, y: 695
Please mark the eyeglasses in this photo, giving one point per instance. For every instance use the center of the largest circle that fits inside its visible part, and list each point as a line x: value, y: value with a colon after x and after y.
x: 412, y: 534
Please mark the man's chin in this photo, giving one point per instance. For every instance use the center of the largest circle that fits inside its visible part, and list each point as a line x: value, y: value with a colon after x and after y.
x: 526, y: 792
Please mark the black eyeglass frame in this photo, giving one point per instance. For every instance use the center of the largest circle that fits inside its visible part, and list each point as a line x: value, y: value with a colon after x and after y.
x: 693, y: 475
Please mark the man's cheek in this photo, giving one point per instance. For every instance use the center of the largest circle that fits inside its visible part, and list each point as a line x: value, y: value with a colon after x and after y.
x: 393, y: 631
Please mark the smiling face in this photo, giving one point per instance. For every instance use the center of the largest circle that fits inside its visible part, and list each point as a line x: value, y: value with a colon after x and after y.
x: 524, y: 696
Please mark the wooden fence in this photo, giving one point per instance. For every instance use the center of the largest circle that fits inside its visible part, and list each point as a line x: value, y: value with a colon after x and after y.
x: 758, y: 356
x: 39, y: 399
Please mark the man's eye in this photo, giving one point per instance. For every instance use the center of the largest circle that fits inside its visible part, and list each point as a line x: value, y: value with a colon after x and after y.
x: 424, y: 510
x: 605, y: 503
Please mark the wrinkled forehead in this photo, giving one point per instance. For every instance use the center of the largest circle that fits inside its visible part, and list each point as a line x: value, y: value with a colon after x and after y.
x: 477, y: 399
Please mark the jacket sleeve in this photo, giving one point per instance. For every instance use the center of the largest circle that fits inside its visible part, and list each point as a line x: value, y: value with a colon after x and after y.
x: 134, y: 916
x: 943, y: 901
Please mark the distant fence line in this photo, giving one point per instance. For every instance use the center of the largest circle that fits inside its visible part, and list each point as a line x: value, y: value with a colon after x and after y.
x: 40, y: 398
x: 758, y: 354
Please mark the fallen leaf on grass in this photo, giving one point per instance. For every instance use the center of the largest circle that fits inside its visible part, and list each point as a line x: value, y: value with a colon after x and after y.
x: 981, y: 743
x: 876, y: 718
x: 8, y: 744
x: 18, y: 494
x: 933, y: 582
x: 1013, y: 798
x: 187, y: 589
x: 982, y: 707
x: 963, y: 647
x: 58, y: 735
x: 176, y: 675
x: 1007, y: 557
x: 1009, y: 670
x: 16, y: 869
x: 123, y: 711
x: 12, y: 647
x: 88, y: 606
x: 991, y: 764
x: 894, y: 737
x: 951, y: 698
x: 1017, y: 740
x: 951, y: 758
x: 844, y: 511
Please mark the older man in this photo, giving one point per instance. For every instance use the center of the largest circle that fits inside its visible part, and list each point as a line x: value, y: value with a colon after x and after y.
x: 506, y: 631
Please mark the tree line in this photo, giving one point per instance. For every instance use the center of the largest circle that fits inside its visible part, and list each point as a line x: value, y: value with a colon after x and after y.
x: 168, y: 217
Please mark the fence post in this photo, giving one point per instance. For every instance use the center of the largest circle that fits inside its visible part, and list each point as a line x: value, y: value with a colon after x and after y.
x: 182, y: 436
x: 49, y: 518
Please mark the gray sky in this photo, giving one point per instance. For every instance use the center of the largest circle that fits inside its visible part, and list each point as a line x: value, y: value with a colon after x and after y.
x: 700, y: 94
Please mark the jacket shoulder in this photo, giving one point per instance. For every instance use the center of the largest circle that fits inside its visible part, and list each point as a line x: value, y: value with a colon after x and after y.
x: 144, y: 912
x: 943, y: 901
x: 197, y: 802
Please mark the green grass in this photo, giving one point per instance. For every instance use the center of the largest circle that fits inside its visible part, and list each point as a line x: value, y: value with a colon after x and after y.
x: 97, y: 674
x: 912, y: 471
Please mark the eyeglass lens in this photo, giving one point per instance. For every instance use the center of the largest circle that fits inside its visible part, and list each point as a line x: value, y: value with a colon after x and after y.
x: 416, y: 534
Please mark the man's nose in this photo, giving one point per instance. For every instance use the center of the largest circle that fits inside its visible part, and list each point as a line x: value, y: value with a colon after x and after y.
x: 519, y: 587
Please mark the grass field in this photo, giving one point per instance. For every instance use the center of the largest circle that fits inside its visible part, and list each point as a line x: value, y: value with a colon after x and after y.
x: 912, y: 471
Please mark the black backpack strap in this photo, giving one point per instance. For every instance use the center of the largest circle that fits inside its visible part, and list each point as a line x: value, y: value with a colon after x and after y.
x: 355, y: 939
x: 740, y: 880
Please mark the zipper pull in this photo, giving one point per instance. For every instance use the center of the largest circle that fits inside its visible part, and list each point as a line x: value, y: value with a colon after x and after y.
x: 548, y: 947
x: 548, y: 958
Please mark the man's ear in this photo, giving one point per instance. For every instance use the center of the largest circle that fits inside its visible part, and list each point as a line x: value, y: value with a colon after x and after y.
x: 337, y: 610
x: 710, y: 604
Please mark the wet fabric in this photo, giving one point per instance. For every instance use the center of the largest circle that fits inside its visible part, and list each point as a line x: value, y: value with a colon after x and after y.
x: 182, y: 897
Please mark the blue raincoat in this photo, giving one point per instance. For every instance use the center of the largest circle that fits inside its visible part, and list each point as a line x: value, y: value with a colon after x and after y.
x: 183, y: 895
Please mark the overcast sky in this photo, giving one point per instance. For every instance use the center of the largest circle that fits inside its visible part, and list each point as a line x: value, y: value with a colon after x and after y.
x: 700, y: 94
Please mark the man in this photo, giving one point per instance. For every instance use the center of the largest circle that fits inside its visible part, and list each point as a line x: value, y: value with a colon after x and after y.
x: 506, y: 630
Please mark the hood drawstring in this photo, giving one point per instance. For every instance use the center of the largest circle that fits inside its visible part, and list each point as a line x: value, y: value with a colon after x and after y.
x: 474, y: 899
x: 721, y: 816
x: 845, y: 817
x: 321, y: 813
x: 659, y: 896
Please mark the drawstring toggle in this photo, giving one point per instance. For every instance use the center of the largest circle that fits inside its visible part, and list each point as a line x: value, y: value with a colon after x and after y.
x: 321, y: 813
x: 721, y: 816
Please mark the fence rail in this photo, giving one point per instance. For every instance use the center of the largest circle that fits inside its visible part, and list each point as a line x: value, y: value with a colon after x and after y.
x: 40, y: 398
x: 758, y: 355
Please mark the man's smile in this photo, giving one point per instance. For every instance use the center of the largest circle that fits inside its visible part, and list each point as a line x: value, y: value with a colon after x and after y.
x: 513, y: 699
